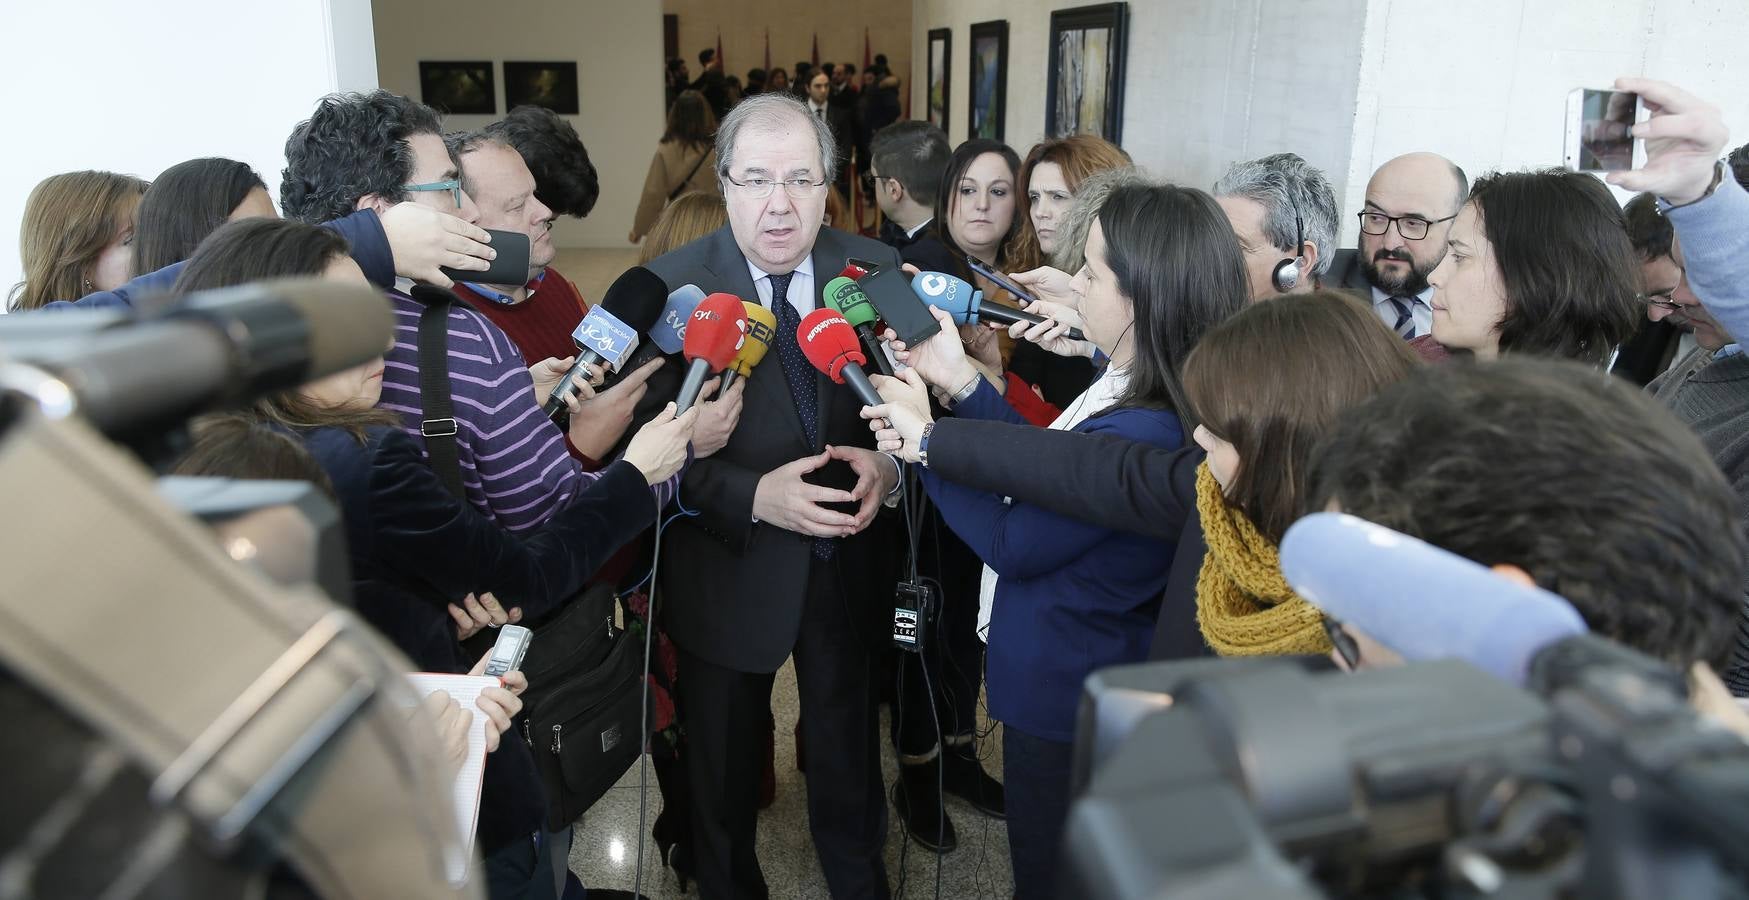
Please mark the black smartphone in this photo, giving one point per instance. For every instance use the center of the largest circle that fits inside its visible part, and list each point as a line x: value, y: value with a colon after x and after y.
x: 511, y: 266
x: 1001, y: 281
x: 890, y: 292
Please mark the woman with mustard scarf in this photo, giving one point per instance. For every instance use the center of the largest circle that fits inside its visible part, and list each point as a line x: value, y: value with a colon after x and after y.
x: 1265, y: 386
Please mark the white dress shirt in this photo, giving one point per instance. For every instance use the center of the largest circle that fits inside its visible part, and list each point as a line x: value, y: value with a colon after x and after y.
x: 801, y: 287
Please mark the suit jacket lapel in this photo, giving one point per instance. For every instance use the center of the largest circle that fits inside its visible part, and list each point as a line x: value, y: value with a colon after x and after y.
x: 766, y: 385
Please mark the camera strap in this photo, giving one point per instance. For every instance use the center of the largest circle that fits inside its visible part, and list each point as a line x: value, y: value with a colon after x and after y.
x: 439, y: 427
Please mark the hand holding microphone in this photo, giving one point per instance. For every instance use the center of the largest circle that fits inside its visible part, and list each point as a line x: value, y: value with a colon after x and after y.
x: 659, y: 448
x: 966, y: 304
x: 1053, y: 333
x: 941, y: 359
x: 608, y: 334
x: 899, y: 419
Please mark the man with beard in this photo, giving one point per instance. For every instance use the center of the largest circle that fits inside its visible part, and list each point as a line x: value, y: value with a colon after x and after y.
x: 1410, y: 203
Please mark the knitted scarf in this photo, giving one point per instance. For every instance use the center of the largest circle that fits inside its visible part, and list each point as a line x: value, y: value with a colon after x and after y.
x: 1243, y: 605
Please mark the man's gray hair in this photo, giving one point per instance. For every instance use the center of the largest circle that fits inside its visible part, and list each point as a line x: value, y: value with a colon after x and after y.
x: 461, y: 143
x: 1090, y: 197
x: 762, y: 112
x: 1286, y: 185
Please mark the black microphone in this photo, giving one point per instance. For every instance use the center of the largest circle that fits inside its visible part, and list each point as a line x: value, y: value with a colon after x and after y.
x: 608, y: 333
x: 130, y: 376
x: 1006, y: 315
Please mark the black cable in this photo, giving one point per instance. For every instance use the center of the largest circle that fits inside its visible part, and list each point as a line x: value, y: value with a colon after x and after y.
x: 644, y: 703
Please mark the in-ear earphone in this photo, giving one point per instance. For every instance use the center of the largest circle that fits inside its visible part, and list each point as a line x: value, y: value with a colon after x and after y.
x: 1287, y: 272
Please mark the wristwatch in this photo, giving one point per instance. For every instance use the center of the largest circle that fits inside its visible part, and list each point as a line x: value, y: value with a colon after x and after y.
x: 923, y: 444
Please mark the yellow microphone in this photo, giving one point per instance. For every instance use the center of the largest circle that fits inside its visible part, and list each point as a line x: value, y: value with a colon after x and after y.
x: 761, y: 328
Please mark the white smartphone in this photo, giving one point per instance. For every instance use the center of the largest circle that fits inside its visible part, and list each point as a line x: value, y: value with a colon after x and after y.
x: 1598, y: 131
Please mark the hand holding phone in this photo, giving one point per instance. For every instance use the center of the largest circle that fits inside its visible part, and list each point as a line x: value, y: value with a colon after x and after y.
x: 1684, y: 139
x: 1001, y: 281
x: 1600, y: 131
x: 509, y: 267
x: 507, y: 653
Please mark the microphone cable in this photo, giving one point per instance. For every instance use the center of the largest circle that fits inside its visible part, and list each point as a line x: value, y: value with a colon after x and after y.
x: 912, y: 509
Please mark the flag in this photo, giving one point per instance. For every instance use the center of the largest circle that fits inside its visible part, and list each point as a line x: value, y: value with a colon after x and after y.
x: 720, y: 60
x: 867, y: 57
x: 816, y: 49
x: 768, y: 50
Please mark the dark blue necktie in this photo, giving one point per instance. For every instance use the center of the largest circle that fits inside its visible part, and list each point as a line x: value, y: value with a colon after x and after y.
x: 1405, y: 307
x: 800, y: 375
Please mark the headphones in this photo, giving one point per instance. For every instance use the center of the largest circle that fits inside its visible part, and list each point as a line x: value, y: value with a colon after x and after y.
x: 1287, y: 272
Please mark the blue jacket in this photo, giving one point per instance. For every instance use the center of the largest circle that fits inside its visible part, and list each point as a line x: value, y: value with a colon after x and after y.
x: 363, y: 230
x: 1073, y: 597
x: 414, y: 548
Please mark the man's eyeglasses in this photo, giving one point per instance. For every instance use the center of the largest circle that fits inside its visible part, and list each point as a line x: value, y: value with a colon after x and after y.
x: 1663, y: 301
x: 1412, y: 228
x: 760, y: 188
x: 870, y: 179
x: 454, y: 186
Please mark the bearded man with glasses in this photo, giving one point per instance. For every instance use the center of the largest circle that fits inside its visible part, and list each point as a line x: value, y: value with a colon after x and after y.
x: 1410, y: 204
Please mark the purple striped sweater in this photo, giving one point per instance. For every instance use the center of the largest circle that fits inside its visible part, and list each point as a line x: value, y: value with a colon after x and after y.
x: 515, y: 468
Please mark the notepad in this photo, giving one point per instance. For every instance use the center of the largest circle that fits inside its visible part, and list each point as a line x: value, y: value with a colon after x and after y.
x: 465, y: 689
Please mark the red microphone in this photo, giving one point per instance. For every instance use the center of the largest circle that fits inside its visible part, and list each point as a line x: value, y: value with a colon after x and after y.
x: 828, y: 341
x: 714, y: 334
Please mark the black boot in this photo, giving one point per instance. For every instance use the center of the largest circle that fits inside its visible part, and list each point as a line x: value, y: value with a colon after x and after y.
x: 917, y: 799
x: 966, y: 779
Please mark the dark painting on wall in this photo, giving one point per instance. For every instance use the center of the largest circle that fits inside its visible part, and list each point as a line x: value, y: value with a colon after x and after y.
x: 1089, y: 45
x: 463, y: 88
x: 989, y: 82
x: 549, y: 84
x: 940, y: 86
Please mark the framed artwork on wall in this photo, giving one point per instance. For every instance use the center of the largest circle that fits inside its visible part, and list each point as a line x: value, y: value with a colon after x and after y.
x: 1089, y: 45
x: 989, y: 102
x: 462, y: 88
x: 939, y: 85
x: 549, y: 84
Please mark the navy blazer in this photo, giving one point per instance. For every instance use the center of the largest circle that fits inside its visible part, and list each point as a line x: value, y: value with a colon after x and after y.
x: 415, y: 548
x: 1073, y: 597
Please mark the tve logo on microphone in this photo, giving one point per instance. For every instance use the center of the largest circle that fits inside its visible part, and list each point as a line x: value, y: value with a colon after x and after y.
x: 603, y: 332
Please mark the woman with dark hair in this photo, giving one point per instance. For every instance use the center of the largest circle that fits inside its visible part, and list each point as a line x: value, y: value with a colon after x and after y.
x: 188, y: 201
x: 422, y: 559
x: 76, y: 237
x: 975, y: 210
x: 1537, y: 262
x: 1065, y: 598
x: 777, y: 81
x: 684, y: 161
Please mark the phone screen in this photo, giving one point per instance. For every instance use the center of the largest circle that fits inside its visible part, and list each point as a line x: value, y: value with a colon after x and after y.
x: 1606, y: 120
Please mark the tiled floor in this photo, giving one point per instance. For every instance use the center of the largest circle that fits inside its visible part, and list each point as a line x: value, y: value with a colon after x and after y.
x: 605, y: 849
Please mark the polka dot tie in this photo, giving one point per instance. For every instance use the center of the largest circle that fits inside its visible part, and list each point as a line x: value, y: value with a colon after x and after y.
x: 800, y: 375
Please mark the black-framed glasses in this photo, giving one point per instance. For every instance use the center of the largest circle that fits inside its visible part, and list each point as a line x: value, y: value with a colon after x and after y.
x: 1343, y: 642
x: 453, y: 185
x: 1412, y: 228
x: 870, y: 179
x: 760, y: 188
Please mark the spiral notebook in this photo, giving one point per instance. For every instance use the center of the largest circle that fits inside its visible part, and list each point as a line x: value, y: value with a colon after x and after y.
x: 465, y: 689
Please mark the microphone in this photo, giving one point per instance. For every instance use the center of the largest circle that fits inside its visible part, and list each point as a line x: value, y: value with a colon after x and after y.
x: 956, y: 297
x: 1420, y: 600
x: 829, y: 343
x: 716, y: 332
x: 761, y: 329
x: 608, y: 333
x: 848, y: 298
x: 145, y: 374
x: 668, y: 335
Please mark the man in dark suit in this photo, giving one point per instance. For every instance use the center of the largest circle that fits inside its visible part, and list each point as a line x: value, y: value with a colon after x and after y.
x: 906, y: 163
x: 1410, y: 202
x: 777, y: 560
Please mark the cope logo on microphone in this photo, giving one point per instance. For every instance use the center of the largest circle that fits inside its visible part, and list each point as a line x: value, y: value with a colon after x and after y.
x: 934, y: 284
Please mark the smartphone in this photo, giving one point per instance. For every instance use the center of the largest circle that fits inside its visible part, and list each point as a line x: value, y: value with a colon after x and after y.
x: 507, y: 654
x: 857, y: 269
x: 1001, y: 281
x: 1598, y: 131
x: 890, y: 292
x: 511, y: 266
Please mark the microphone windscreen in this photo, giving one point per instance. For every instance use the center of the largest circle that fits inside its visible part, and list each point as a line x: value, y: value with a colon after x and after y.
x: 602, y: 333
x: 1419, y: 600
x: 717, y: 330
x: 761, y: 330
x: 954, y: 296
x: 829, y: 342
x: 345, y: 325
x: 848, y: 298
x: 636, y: 298
x: 669, y: 332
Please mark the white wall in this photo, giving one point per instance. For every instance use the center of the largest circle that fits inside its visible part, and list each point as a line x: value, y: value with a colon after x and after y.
x: 1493, y: 95
x: 138, y: 87
x: 1208, y: 82
x: 618, y: 49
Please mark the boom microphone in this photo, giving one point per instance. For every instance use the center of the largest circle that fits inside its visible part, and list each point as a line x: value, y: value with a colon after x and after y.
x: 829, y: 343
x: 607, y: 335
x: 1420, y: 600
x: 761, y: 328
x: 716, y: 332
x: 959, y: 299
x: 208, y: 350
x: 846, y: 296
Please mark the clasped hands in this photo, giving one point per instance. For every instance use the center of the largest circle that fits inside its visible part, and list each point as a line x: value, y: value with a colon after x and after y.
x: 786, y: 501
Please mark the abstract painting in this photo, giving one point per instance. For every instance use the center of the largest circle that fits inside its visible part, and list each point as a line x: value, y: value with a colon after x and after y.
x: 940, y: 64
x: 1088, y: 47
x: 989, y: 82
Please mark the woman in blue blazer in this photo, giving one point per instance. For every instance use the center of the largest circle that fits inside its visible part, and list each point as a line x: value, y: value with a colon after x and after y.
x: 1065, y: 598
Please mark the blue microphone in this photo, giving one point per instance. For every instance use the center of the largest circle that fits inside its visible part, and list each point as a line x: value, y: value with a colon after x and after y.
x: 609, y: 333
x: 1419, y: 600
x: 957, y: 298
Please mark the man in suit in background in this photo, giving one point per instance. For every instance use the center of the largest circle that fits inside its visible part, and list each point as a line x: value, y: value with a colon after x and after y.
x: 1410, y: 202
x: 906, y: 160
x: 777, y: 560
